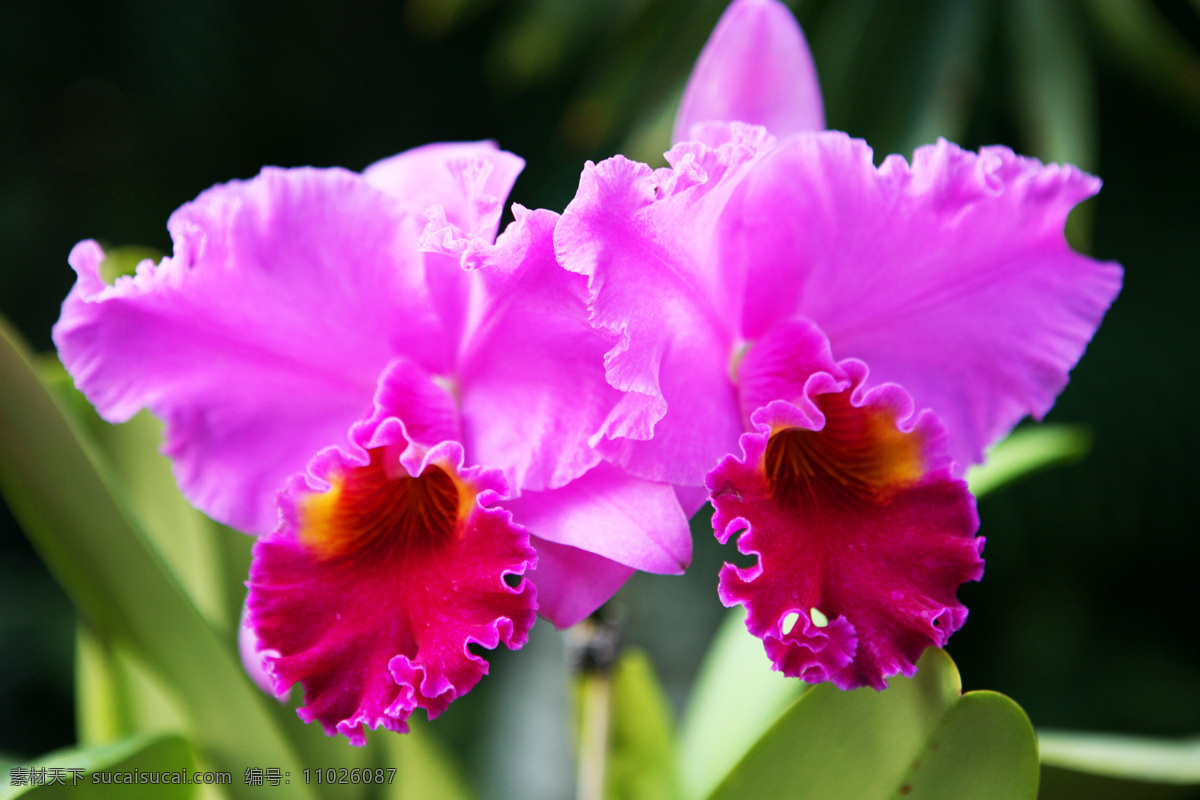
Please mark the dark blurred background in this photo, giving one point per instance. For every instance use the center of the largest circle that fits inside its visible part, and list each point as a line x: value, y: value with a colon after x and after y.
x: 114, y: 112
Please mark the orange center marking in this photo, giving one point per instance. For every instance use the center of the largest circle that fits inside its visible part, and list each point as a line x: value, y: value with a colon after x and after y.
x: 859, y: 452
x: 364, y: 508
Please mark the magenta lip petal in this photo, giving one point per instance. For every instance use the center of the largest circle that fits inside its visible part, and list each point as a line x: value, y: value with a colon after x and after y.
x: 378, y: 623
x: 260, y: 340
x: 755, y: 68
x: 877, y: 537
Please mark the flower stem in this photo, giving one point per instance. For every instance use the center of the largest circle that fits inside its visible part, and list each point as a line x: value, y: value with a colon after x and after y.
x: 593, y: 735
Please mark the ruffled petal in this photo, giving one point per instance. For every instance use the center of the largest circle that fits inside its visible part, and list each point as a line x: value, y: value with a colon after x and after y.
x: 659, y: 287
x: 389, y: 563
x: 572, y: 583
x: 629, y: 520
x: 861, y: 534
x: 460, y: 189
x: 531, y: 375
x: 260, y: 340
x: 755, y: 68
x: 468, y: 180
x: 951, y: 277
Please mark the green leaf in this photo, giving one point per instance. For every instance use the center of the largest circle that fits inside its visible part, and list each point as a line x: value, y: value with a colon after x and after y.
x: 641, y: 761
x: 114, y: 576
x: 736, y: 697
x: 424, y: 771
x: 137, y: 754
x: 1026, y: 451
x: 1100, y: 765
x: 918, y: 738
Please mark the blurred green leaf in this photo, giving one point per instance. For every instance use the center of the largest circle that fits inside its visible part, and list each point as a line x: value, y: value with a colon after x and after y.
x: 735, y: 698
x: 1128, y: 761
x: 120, y: 261
x: 641, y: 763
x: 1056, y: 103
x: 113, y: 575
x: 1027, y: 450
x: 424, y: 771
x: 1148, y: 43
x: 918, y: 738
x: 148, y: 753
x: 141, y: 477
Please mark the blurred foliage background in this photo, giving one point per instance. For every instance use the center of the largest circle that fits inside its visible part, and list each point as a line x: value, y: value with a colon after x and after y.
x: 114, y: 112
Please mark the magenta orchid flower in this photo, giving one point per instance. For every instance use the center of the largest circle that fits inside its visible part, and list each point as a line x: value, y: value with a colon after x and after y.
x: 754, y: 281
x: 401, y: 410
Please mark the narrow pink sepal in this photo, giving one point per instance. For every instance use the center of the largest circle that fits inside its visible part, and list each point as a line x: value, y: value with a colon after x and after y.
x: 756, y: 68
x: 882, y: 565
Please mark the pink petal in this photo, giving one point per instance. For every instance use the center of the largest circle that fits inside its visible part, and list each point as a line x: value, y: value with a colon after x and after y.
x: 850, y: 509
x: 634, y: 522
x: 756, y: 68
x: 572, y: 583
x: 459, y: 186
x: 469, y: 180
x: 259, y: 342
x: 371, y: 592
x: 660, y: 288
x: 951, y: 277
x: 531, y: 376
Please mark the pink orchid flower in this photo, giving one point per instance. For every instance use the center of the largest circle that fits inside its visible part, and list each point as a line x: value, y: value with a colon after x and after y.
x: 364, y: 391
x: 754, y: 281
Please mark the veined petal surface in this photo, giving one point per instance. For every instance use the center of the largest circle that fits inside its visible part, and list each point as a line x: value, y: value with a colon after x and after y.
x: 861, y: 534
x: 382, y: 573
x: 951, y: 276
x: 260, y: 340
x: 755, y: 68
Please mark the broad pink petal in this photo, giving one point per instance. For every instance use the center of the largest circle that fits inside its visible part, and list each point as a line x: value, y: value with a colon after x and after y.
x: 531, y: 375
x: 381, y: 577
x: 572, y: 583
x: 629, y: 520
x: 659, y: 286
x: 756, y: 68
x: 851, y: 510
x: 951, y: 277
x: 260, y: 340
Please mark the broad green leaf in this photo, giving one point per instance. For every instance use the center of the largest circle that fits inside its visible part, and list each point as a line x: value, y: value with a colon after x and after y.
x: 919, y: 737
x: 128, y: 757
x: 1026, y: 451
x: 423, y: 770
x: 736, y: 697
x: 641, y: 760
x: 1100, y: 765
x: 123, y: 589
x: 141, y: 477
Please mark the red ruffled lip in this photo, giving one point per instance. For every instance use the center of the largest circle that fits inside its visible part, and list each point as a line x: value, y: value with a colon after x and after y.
x: 371, y: 592
x: 862, y: 534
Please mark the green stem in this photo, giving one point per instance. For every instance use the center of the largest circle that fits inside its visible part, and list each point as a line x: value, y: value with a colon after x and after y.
x: 593, y: 735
